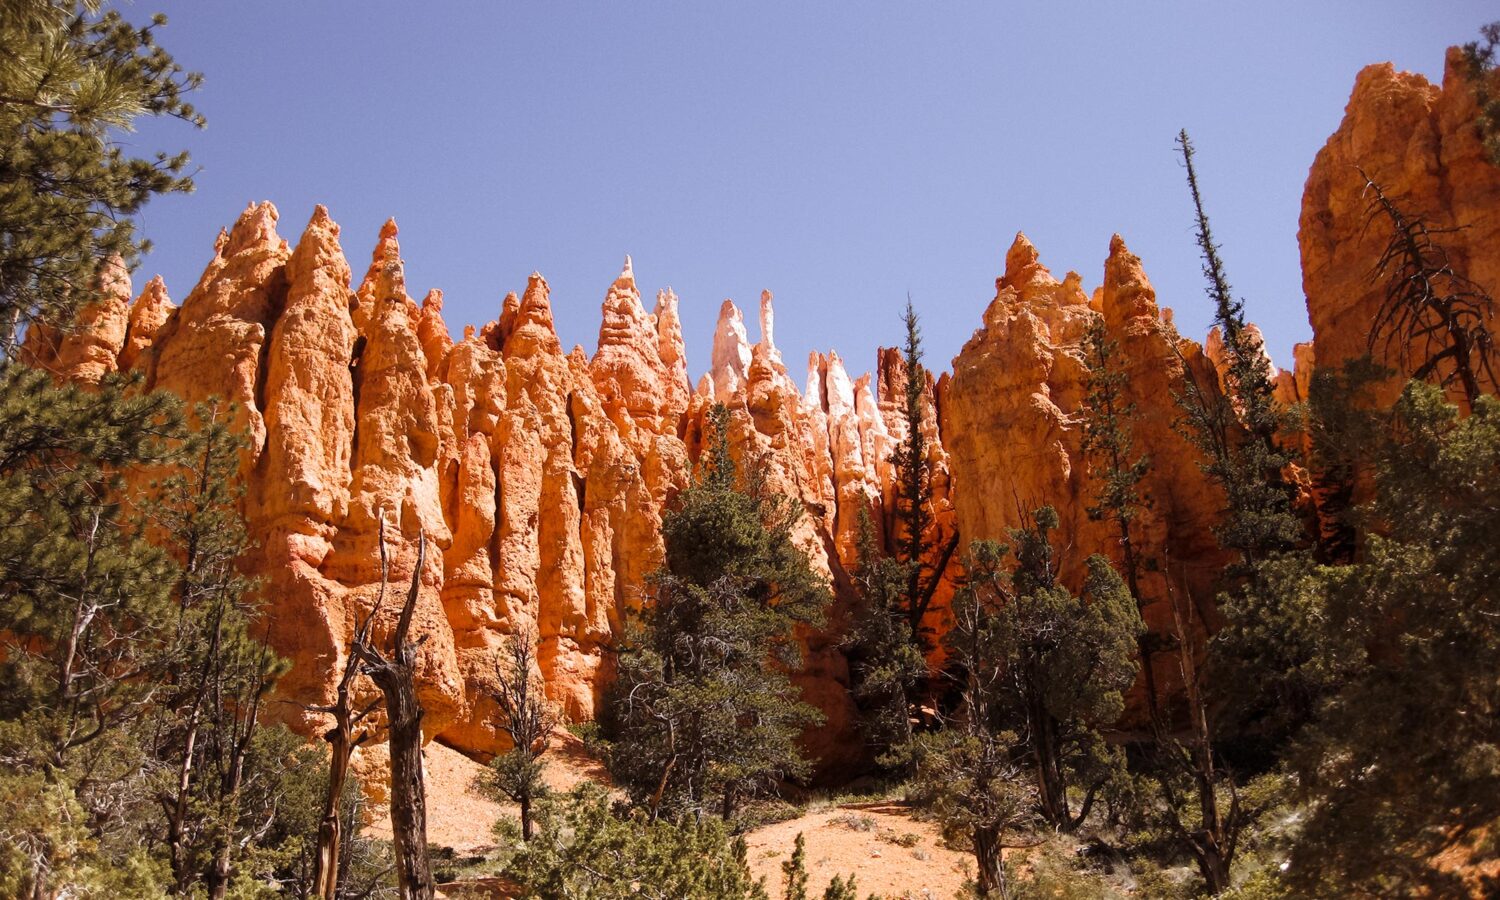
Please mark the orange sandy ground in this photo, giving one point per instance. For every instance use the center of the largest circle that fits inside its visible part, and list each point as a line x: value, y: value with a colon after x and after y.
x: 856, y: 839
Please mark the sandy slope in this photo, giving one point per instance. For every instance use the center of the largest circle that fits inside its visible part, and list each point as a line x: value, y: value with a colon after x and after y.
x: 859, y: 839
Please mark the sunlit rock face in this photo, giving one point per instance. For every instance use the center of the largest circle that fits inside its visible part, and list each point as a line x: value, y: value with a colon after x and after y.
x: 1420, y: 143
x: 1012, y: 422
x: 537, y: 476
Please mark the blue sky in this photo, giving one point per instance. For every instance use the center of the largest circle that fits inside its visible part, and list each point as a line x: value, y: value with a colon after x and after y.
x: 839, y: 154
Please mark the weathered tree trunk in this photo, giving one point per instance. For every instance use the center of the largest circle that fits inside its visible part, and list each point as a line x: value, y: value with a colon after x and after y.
x: 526, y: 827
x: 177, y: 809
x: 1214, y: 843
x: 326, y: 870
x: 408, y: 793
x: 396, y: 677
x: 1051, y: 787
x: 991, y: 880
x: 328, y: 862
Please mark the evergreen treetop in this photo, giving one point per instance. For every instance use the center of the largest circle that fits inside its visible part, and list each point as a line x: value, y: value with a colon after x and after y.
x: 73, y: 76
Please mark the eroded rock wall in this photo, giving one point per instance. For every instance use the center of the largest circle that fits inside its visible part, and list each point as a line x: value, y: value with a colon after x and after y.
x: 1012, y: 421
x: 1420, y: 142
x: 538, y: 476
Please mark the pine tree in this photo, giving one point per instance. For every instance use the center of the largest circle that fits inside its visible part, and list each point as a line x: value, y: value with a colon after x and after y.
x: 913, y: 480
x: 210, y: 722
x: 1117, y: 470
x: 1068, y: 661
x: 1041, y: 671
x: 971, y: 774
x: 87, y: 602
x: 703, y: 712
x: 1401, y: 764
x: 1237, y: 430
x: 86, y: 609
x: 888, y: 665
x: 794, y: 871
x: 72, y: 79
x: 1479, y: 57
x: 886, y: 637
x: 841, y: 889
x: 1266, y: 657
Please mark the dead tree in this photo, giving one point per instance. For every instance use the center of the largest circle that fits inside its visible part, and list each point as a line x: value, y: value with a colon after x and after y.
x: 394, y: 672
x: 527, y: 718
x: 1433, y: 320
x: 342, y: 741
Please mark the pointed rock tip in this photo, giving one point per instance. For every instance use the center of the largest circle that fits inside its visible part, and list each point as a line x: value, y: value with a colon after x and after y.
x: 1117, y: 245
x: 727, y: 309
x: 433, y: 300
x: 321, y: 226
x: 1022, y: 253
x: 154, y: 293
x: 257, y: 224
x: 263, y: 208
x: 537, y: 290
x: 389, y: 229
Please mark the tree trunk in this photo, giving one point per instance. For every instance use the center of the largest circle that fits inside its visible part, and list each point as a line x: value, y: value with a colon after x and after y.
x: 1051, y: 788
x: 729, y: 801
x: 1214, y: 867
x: 526, y: 817
x: 396, y: 677
x: 1213, y: 846
x: 991, y: 881
x: 220, y: 870
x: 408, y: 794
x: 178, y: 811
x: 326, y: 866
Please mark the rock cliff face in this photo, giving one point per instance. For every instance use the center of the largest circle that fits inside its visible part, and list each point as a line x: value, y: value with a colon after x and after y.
x: 1419, y: 142
x: 540, y: 475
x: 1011, y: 419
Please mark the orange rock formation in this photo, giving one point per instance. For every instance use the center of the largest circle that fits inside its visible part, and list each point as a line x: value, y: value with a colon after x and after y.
x: 1420, y: 143
x: 1011, y: 419
x: 540, y: 474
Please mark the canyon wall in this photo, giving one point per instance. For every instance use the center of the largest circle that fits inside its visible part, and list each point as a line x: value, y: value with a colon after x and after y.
x: 1012, y: 422
x: 539, y: 475
x: 1419, y: 142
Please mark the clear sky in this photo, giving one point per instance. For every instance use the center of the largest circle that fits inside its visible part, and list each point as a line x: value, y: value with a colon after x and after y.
x: 840, y: 154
